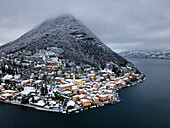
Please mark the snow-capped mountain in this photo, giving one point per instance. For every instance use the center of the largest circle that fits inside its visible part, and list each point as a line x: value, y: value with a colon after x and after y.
x: 158, y: 54
x: 76, y: 41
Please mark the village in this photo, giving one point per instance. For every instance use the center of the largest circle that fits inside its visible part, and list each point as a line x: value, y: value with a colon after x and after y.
x: 46, y: 81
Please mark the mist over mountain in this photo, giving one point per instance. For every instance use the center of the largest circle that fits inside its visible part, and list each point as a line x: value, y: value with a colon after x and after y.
x: 77, y: 41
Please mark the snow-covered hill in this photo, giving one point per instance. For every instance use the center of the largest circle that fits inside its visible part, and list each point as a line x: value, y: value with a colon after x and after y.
x: 78, y: 43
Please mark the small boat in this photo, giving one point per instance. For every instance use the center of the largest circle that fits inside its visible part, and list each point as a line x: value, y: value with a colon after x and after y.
x: 76, y: 112
x: 70, y: 111
x: 144, y: 79
x: 128, y: 85
x: 94, y: 106
x: 64, y: 112
x: 102, y: 105
x: 118, y: 101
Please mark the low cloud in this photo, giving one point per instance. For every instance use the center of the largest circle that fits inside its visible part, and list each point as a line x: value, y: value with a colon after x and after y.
x: 122, y: 25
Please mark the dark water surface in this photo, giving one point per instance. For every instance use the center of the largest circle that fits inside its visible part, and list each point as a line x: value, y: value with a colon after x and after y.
x: 146, y: 105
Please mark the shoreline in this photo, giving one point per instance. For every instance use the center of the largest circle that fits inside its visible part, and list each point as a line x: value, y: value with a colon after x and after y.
x: 71, y: 110
x: 59, y: 111
x: 30, y: 106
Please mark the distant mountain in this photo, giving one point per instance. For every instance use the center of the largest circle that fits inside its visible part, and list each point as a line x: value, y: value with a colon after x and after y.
x: 77, y: 41
x: 158, y: 54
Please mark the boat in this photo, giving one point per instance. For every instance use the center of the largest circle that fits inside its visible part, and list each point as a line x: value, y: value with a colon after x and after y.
x: 76, y: 112
x: 128, y: 85
x: 93, y: 106
x: 64, y: 112
x: 117, y: 101
x: 102, y: 105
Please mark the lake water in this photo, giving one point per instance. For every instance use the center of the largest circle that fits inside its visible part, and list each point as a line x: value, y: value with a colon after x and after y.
x: 146, y: 105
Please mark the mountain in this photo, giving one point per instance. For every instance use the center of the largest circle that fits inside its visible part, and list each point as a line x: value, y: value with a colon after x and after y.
x: 77, y: 41
x: 155, y: 54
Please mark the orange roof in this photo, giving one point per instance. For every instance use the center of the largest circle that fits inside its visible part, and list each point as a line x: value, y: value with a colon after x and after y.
x: 50, y: 67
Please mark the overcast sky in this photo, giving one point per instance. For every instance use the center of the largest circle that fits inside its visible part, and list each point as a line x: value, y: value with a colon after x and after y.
x: 120, y: 24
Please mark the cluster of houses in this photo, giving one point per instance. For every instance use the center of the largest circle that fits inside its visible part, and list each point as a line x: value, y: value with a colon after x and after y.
x: 52, y: 84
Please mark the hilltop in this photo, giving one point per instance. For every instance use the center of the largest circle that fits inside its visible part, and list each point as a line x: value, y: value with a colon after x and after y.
x: 66, y: 32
